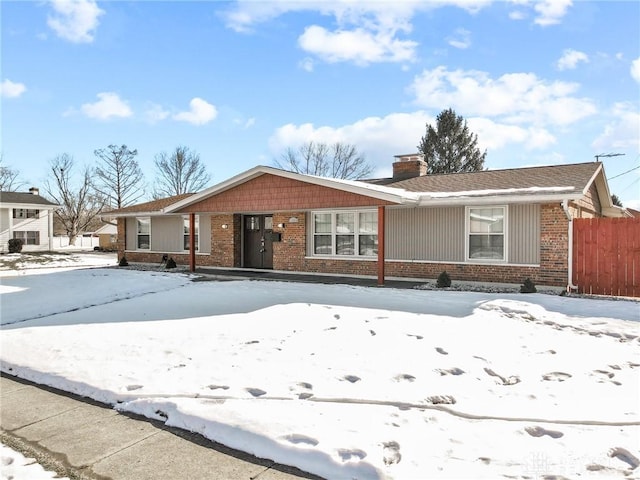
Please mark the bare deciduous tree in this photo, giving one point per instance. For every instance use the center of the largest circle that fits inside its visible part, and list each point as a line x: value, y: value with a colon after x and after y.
x: 9, y: 181
x: 118, y: 178
x: 339, y: 160
x: 79, y: 204
x: 180, y: 172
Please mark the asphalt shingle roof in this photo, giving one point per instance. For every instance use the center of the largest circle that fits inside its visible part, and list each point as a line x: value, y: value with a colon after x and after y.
x: 576, y: 175
x: 152, y: 206
x: 23, y: 197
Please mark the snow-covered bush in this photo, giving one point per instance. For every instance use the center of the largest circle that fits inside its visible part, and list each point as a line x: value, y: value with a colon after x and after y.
x: 444, y: 280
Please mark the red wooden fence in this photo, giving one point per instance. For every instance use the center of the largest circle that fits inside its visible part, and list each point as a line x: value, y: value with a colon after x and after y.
x: 606, y: 256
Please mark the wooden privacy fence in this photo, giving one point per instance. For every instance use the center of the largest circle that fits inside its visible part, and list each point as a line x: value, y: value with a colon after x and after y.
x: 606, y: 256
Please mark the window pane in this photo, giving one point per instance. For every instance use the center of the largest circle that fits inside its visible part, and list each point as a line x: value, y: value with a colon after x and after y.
x: 486, y: 220
x: 345, y: 244
x: 143, y: 242
x: 322, y: 223
x: 186, y: 242
x: 486, y: 247
x: 368, y: 245
x: 345, y: 222
x: 322, y: 244
x: 143, y: 225
x: 368, y: 222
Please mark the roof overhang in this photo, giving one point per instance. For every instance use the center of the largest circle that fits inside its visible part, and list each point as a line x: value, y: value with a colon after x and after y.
x: 393, y: 195
x: 34, y: 206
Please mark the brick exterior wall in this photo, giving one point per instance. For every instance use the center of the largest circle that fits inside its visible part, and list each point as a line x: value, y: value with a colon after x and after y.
x: 270, y: 193
x: 290, y: 253
x: 409, y: 169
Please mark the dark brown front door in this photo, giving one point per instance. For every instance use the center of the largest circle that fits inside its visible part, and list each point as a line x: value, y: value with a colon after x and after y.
x: 258, y: 244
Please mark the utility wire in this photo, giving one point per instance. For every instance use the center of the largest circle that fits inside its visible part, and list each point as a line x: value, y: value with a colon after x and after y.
x: 624, y: 173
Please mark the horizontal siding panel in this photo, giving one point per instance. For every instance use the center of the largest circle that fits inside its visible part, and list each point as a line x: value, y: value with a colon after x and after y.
x: 430, y: 234
x: 204, y: 234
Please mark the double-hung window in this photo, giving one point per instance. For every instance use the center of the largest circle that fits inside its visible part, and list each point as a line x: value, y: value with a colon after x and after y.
x: 185, y: 231
x: 25, y: 213
x: 486, y: 233
x: 144, y: 233
x: 345, y: 233
x: 28, y: 238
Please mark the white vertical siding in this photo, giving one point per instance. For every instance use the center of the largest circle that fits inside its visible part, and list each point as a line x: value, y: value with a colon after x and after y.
x: 132, y: 233
x: 5, y: 221
x: 204, y: 234
x: 434, y: 234
x: 167, y: 234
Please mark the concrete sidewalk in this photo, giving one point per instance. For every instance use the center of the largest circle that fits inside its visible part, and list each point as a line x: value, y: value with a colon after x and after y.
x: 82, y: 439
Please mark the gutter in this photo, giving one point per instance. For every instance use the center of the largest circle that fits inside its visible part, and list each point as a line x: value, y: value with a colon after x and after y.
x: 570, y: 286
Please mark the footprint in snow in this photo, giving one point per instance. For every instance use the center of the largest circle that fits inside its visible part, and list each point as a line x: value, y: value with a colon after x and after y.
x: 391, y: 453
x: 216, y: 387
x: 417, y: 337
x: 450, y: 371
x: 539, y: 432
x: 404, y: 377
x: 298, y: 438
x: 626, y: 456
x: 133, y: 387
x: 347, y: 454
x: 256, y: 392
x: 352, y: 378
x: 6, y: 461
x: 441, y: 400
x: 556, y: 376
x: 441, y: 351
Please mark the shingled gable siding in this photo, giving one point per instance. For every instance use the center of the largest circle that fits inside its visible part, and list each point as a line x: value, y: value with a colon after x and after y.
x: 271, y: 193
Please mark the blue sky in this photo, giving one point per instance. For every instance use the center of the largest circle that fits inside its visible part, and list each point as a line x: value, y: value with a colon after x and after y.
x: 540, y: 82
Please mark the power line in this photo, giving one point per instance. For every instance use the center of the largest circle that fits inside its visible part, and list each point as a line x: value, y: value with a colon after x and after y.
x: 624, y: 173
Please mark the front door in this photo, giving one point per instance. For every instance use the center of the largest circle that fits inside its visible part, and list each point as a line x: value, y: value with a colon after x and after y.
x: 258, y: 243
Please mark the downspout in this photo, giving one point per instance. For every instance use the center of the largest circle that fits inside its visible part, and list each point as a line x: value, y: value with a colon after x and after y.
x: 570, y: 285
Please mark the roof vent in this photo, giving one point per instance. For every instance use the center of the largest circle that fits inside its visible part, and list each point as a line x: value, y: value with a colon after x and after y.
x: 409, y: 166
x: 34, y: 191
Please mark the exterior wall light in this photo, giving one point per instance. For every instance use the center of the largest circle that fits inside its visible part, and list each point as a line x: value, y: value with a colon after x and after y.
x: 281, y: 225
x: 225, y: 226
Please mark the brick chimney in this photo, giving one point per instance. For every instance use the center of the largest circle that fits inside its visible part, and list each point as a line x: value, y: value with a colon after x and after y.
x: 409, y: 166
x: 34, y: 191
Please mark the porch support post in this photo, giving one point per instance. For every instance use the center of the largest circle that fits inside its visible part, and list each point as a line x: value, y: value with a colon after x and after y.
x: 192, y: 242
x: 381, y: 212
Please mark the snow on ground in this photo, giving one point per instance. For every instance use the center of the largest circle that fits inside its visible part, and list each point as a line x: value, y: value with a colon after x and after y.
x: 15, y: 466
x: 342, y: 381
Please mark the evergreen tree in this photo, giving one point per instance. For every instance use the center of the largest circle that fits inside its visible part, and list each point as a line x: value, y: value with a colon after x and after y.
x: 450, y: 147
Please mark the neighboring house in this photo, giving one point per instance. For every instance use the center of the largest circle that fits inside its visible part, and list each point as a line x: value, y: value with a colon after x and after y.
x: 489, y: 226
x: 107, y: 236
x: 27, y: 216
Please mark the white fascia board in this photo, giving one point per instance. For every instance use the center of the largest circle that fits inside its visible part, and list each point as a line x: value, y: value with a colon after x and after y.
x: 360, y: 188
x: 495, y: 199
x: 30, y: 206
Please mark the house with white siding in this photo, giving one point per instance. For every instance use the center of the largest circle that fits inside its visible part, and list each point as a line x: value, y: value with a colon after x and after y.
x: 28, y: 216
x: 488, y: 226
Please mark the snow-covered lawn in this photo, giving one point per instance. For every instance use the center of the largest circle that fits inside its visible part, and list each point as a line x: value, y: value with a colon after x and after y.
x: 345, y: 382
x: 15, y: 466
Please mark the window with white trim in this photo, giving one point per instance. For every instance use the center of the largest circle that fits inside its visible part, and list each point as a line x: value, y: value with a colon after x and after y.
x: 486, y: 227
x: 345, y: 233
x: 25, y: 213
x: 143, y: 233
x: 28, y: 237
x: 185, y: 231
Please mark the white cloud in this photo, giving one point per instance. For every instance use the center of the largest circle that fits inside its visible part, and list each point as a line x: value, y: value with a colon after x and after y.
x: 200, y: 112
x: 306, y: 64
x: 494, y: 135
x: 155, y: 113
x: 108, y: 106
x: 378, y: 138
x: 367, y: 31
x: 635, y: 69
x: 570, y: 59
x: 516, y: 97
x: 622, y: 132
x: 550, y: 12
x: 9, y: 89
x: 359, y: 45
x: 461, y: 39
x: 75, y: 20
